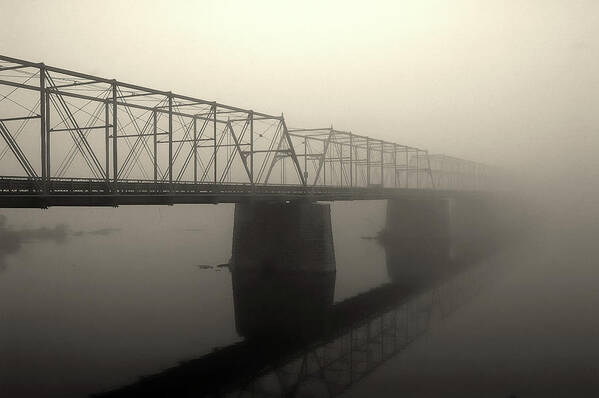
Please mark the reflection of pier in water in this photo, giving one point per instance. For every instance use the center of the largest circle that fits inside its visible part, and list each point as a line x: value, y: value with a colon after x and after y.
x: 342, y: 344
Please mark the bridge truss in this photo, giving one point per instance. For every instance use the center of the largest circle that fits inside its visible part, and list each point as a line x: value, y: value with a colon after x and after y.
x: 67, y: 132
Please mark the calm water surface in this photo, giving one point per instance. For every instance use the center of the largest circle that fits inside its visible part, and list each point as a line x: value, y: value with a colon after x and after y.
x: 113, y: 294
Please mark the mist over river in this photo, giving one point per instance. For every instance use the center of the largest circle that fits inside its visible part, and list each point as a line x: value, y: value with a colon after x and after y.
x: 91, y: 299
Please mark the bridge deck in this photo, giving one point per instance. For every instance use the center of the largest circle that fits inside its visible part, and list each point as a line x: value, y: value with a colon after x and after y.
x: 19, y: 192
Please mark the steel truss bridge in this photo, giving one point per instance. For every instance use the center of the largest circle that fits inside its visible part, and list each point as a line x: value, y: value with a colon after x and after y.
x: 76, y: 139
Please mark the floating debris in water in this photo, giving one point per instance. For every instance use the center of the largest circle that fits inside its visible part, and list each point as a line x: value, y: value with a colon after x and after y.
x: 217, y: 268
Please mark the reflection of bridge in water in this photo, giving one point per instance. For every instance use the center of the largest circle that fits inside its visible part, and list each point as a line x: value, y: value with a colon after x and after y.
x: 298, y: 343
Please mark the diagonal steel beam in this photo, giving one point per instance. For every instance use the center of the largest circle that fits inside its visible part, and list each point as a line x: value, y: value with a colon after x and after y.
x: 239, y: 151
x: 16, y: 150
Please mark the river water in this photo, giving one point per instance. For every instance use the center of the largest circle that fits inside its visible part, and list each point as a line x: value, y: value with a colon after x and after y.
x: 92, y: 299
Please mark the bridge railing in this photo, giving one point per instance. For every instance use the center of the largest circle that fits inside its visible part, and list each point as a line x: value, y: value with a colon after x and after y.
x: 20, y: 185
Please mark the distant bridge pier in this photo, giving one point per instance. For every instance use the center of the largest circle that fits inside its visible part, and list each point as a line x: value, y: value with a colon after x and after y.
x: 425, y: 238
x: 474, y: 227
x: 417, y: 239
x: 282, y: 266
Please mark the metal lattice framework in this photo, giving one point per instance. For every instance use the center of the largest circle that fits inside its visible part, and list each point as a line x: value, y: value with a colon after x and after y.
x: 341, y: 158
x: 450, y: 172
x: 73, y: 133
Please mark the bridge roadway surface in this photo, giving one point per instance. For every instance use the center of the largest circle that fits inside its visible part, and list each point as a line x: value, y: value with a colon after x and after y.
x: 22, y: 192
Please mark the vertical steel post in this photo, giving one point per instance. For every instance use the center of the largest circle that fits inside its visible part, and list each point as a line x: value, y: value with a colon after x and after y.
x: 252, y: 149
x: 351, y: 160
x: 324, y: 168
x: 306, y: 158
x: 395, y: 164
x: 341, y: 164
x: 48, y: 159
x: 195, y: 151
x: 115, y: 163
x: 382, y: 164
x: 170, y: 141
x: 356, y: 162
x: 107, y: 141
x: 214, y: 138
x: 227, y: 132
x: 418, y: 169
x: 155, y: 134
x: 43, y: 131
x: 367, y: 161
x: 324, y: 159
x: 407, y: 169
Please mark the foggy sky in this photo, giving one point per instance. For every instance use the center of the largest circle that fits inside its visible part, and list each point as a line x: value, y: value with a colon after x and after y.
x: 505, y: 82
x: 512, y: 83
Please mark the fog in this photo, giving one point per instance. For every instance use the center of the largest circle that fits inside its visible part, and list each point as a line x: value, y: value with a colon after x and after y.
x: 93, y: 298
x: 507, y: 83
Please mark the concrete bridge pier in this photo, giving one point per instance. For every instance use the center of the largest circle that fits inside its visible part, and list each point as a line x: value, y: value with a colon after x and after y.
x: 283, y: 267
x: 417, y: 239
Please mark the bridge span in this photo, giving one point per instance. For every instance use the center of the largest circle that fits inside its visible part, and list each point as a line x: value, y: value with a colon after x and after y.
x: 74, y: 139
x: 71, y: 138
